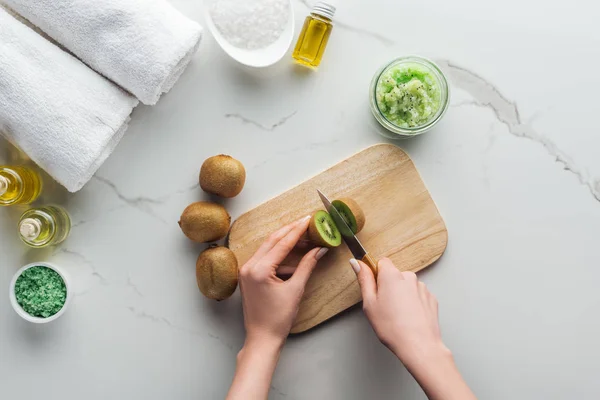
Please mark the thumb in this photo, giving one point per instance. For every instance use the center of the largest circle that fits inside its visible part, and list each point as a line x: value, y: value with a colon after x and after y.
x: 366, y: 280
x: 307, y: 266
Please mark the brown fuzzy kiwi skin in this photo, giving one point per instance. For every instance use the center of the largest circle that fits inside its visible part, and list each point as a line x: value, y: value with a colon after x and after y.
x: 359, y: 214
x: 205, y: 222
x: 217, y: 272
x: 222, y: 175
x: 313, y: 233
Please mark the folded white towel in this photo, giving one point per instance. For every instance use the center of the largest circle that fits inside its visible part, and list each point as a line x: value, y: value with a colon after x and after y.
x: 65, y: 116
x: 142, y: 45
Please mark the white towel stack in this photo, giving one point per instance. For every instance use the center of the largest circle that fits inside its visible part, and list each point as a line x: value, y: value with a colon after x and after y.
x: 65, y: 116
x: 142, y: 45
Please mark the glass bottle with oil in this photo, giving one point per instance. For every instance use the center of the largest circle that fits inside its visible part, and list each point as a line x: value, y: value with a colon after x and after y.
x: 44, y: 226
x: 19, y: 185
x: 314, y: 35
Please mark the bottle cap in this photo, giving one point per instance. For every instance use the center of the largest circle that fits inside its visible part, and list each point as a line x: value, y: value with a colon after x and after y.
x: 3, y: 185
x: 30, y: 228
x: 324, y: 9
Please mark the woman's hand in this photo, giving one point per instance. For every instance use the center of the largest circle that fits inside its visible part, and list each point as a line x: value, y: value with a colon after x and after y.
x: 270, y: 307
x: 404, y: 315
x: 271, y: 304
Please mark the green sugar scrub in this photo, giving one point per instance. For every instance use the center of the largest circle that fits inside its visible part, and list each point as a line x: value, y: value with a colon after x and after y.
x: 40, y: 291
x: 408, y: 94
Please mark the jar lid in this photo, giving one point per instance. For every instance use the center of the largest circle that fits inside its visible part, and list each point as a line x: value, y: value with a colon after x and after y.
x: 30, y: 228
x: 324, y: 9
x: 3, y: 185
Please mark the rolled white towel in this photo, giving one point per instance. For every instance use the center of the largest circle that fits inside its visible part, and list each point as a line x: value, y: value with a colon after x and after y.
x: 65, y: 116
x: 142, y: 45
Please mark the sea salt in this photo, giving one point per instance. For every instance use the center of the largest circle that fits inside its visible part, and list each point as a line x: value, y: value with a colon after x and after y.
x: 250, y: 24
x: 40, y: 291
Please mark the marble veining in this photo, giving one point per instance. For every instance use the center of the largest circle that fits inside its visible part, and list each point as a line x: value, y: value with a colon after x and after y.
x: 487, y: 95
x: 163, y: 320
x: 142, y: 203
x: 81, y: 259
x: 257, y: 124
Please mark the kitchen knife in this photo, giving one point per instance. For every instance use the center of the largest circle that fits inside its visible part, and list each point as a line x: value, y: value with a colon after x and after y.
x: 356, y: 248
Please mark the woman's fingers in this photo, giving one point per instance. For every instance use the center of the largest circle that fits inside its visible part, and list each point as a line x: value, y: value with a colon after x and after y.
x: 433, y: 304
x: 271, y: 241
x: 410, y: 276
x: 387, y: 271
x: 307, y: 266
x: 285, y: 245
x: 291, y: 262
x: 305, y: 245
x: 286, y: 270
x: 366, y: 280
x: 423, y: 293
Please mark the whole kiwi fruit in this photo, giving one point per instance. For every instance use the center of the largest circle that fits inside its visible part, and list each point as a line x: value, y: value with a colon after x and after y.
x: 351, y: 212
x: 322, y: 230
x: 222, y: 175
x: 205, y: 221
x: 217, y: 272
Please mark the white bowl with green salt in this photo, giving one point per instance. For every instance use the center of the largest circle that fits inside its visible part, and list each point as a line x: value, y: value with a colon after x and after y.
x: 39, y: 292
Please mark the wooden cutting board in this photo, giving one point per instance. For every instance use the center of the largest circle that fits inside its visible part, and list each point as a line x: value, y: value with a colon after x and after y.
x: 402, y: 223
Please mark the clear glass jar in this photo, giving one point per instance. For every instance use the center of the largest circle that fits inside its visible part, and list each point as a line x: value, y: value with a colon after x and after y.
x: 19, y: 185
x: 314, y: 35
x: 44, y: 226
x: 404, y: 132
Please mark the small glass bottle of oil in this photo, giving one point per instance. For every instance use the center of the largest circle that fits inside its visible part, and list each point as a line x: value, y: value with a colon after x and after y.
x: 19, y: 185
x: 44, y: 226
x: 314, y: 35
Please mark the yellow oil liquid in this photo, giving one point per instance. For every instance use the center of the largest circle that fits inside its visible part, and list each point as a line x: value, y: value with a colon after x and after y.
x: 44, y: 226
x: 312, y: 40
x: 19, y: 185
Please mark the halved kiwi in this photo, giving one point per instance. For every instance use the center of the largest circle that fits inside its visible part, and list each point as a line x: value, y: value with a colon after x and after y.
x: 322, y: 230
x: 351, y: 212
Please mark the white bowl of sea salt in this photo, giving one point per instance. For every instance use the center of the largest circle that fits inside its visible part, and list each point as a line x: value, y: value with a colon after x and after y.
x: 256, y: 33
x: 40, y: 292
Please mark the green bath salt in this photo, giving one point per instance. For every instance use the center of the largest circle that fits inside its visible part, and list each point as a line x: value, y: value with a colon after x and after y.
x: 40, y: 291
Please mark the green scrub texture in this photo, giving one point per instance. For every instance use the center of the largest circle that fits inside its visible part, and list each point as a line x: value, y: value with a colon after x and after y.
x: 408, y: 95
x: 40, y: 291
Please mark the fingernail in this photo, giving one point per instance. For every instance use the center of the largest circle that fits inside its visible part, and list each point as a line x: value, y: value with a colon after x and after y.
x: 305, y: 219
x: 322, y: 251
x: 355, y: 265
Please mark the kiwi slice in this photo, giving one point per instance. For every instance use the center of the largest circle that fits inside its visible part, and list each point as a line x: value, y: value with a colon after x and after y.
x: 205, y: 222
x: 217, y: 272
x: 351, y: 212
x: 222, y: 175
x: 322, y: 231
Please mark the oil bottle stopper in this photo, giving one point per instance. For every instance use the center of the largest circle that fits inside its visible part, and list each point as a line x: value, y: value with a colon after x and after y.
x: 324, y: 9
x: 30, y: 228
x: 3, y: 185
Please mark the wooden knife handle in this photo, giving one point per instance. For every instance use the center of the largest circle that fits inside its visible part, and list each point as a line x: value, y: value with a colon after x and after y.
x: 371, y: 263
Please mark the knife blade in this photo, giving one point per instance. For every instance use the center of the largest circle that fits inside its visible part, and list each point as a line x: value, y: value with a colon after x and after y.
x: 356, y: 248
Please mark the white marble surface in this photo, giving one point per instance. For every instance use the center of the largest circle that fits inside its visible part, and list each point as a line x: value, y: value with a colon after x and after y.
x: 513, y: 167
